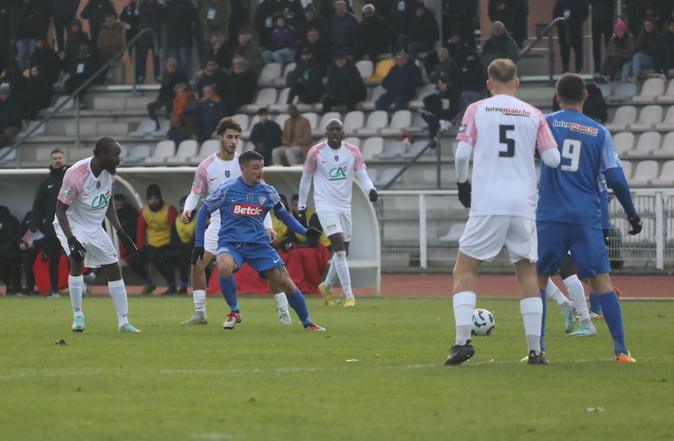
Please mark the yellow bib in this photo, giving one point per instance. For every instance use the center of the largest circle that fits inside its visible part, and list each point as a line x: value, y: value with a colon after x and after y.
x: 186, y: 231
x: 158, y: 229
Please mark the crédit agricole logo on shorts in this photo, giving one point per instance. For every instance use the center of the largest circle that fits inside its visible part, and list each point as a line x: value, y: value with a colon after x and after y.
x: 337, y: 173
x: 100, y: 201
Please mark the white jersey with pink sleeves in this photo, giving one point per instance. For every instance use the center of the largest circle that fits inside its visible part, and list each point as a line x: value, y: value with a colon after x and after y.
x: 87, y: 195
x: 211, y: 173
x: 504, y: 132
x: 333, y: 170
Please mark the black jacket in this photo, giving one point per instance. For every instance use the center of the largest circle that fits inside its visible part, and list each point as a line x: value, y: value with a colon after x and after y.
x: 309, y: 74
x: 372, y: 35
x: 240, y: 90
x: 9, y: 232
x: 131, y: 16
x: 424, y: 29
x: 30, y: 20
x: 266, y: 136
x: 95, y: 11
x: 578, y: 12
x: 180, y: 18
x: 44, y: 205
x: 64, y: 9
x: 151, y: 14
x: 11, y: 112
x: 345, y: 82
x: 47, y: 63
x: 403, y: 80
x: 603, y: 9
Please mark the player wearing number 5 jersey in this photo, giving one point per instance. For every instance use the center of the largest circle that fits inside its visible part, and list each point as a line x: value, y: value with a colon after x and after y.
x: 502, y: 134
x: 569, y: 214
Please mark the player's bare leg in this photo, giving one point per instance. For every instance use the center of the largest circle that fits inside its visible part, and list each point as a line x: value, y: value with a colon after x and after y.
x: 339, y: 270
x: 464, y: 299
x: 199, y: 290
x: 601, y: 283
x: 280, y: 278
x: 531, y: 308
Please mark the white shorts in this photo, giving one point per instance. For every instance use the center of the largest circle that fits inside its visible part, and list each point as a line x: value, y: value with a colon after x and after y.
x: 100, y: 250
x: 484, y: 237
x: 211, y: 238
x: 333, y: 223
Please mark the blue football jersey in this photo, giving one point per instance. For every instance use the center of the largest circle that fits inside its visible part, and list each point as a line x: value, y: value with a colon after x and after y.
x: 570, y: 193
x: 242, y: 210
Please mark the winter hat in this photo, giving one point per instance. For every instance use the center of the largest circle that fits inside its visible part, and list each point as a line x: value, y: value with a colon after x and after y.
x: 152, y: 190
x: 619, y: 26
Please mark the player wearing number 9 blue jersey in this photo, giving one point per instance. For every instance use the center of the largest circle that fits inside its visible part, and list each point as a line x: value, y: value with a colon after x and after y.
x: 569, y: 214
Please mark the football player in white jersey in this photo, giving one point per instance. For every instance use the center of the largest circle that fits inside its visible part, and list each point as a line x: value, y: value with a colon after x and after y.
x: 84, y: 201
x: 502, y: 134
x: 332, y: 165
x: 212, y: 172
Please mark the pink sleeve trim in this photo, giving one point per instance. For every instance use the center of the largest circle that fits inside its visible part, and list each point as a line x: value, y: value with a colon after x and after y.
x: 312, y: 158
x: 467, y: 129
x: 200, y: 183
x: 360, y: 160
x: 73, y: 183
x: 544, y: 138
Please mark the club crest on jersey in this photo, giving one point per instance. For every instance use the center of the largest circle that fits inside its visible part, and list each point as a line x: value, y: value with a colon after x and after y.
x: 262, y: 199
x: 249, y: 197
x: 246, y: 210
x: 227, y: 173
x: 462, y: 128
x: 67, y: 193
x: 337, y: 173
x: 98, y: 184
x: 336, y: 158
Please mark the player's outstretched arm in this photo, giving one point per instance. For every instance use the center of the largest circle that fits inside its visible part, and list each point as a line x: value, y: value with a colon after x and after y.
x: 616, y: 181
x: 462, y: 164
x: 200, y: 228
x: 290, y: 221
x: 190, y: 204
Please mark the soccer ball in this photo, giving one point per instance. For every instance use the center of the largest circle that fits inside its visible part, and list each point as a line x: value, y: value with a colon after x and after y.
x: 483, y: 322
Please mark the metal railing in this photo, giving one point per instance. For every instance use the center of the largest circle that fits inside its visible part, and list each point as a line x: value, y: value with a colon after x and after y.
x: 75, y: 96
x: 420, y: 231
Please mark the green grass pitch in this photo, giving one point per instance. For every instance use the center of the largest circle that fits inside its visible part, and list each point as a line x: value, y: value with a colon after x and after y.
x: 263, y: 381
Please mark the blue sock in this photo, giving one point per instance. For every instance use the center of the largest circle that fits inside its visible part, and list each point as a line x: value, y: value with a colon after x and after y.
x: 298, y: 303
x: 595, y: 304
x: 613, y: 316
x: 228, y: 288
x: 545, y: 313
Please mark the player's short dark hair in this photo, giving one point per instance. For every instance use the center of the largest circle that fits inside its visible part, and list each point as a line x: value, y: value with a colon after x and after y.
x: 295, y: 197
x: 227, y: 123
x: 263, y: 111
x: 103, y: 145
x: 502, y: 70
x: 56, y: 150
x: 249, y: 156
x: 570, y: 88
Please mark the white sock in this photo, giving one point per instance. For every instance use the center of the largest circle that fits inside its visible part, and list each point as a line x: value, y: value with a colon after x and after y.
x: 199, y: 299
x: 118, y: 296
x: 76, y: 287
x: 553, y: 292
x: 331, y: 277
x: 342, y: 268
x: 532, y: 316
x: 281, y: 301
x: 464, y: 304
x: 577, y: 293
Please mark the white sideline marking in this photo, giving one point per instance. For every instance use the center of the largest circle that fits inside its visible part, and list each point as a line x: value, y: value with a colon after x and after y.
x: 28, y: 374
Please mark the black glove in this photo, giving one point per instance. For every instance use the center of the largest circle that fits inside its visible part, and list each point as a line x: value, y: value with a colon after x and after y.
x: 303, y: 217
x: 373, y: 195
x: 124, y: 237
x: 607, y: 235
x: 197, y: 253
x: 637, y: 224
x: 77, y: 250
x: 313, y: 232
x: 464, y: 193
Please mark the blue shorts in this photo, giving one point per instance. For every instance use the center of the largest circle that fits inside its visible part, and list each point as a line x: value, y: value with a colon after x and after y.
x: 260, y: 257
x: 587, y: 247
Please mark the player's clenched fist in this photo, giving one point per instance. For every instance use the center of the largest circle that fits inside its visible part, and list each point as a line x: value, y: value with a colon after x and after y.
x: 77, y: 250
x: 373, y: 195
x: 186, y: 216
x: 636, y: 223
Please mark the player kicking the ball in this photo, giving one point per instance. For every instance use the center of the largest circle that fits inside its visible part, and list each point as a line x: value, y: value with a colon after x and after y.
x: 242, y: 204
x: 212, y: 172
x: 502, y: 134
x: 83, y: 203
x: 569, y: 214
x: 332, y: 164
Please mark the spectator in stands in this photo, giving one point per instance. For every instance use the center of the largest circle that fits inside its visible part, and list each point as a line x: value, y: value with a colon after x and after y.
x: 500, y: 45
x: 570, y: 31
x: 153, y: 239
x: 460, y: 19
x: 213, y: 74
x: 311, y: 21
x: 184, y: 115
x: 248, y: 49
x: 5, y: 37
x: 180, y: 20
x: 109, y: 43
x: 82, y: 67
x: 459, y: 49
x: 645, y: 51
x: 46, y: 60
x: 306, y: 81
x: 30, y: 21
x: 240, y: 85
x: 239, y: 18
x: 182, y: 242
x: 345, y: 86
x: 343, y: 26
x: 211, y: 111
x: 444, y: 66
x: 264, y: 21
x: 282, y: 46
x: 422, y: 33
x: 471, y: 79
x: 400, y: 84
x: 27, y: 254
x: 10, y: 271
x: 400, y: 15
x: 619, y: 50
x: 74, y: 38
x: 63, y: 12
x: 44, y: 208
x: 128, y: 219
x: 214, y: 19
x: 151, y: 15
x: 95, y: 11
x: 317, y: 44
x: 292, y: 10
x: 444, y: 103
x: 513, y: 14
x: 10, y: 115
x: 265, y: 135
x: 372, y: 35
x: 665, y: 49
x: 296, y: 139
x: 216, y: 50
x: 38, y: 93
x: 130, y: 20
x: 603, y: 12
x: 169, y: 80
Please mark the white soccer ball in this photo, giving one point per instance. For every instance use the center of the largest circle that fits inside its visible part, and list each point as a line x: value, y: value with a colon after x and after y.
x: 483, y: 322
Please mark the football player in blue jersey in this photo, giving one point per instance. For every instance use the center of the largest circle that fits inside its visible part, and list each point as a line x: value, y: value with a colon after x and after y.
x: 243, y: 203
x: 569, y: 209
